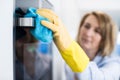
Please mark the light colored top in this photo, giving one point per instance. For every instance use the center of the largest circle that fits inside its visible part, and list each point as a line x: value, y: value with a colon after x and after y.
x: 101, y: 68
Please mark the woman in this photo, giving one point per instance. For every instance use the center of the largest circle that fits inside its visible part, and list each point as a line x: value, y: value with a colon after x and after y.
x: 97, y: 29
x: 96, y: 37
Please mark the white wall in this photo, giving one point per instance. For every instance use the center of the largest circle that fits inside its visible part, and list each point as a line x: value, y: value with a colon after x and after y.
x: 70, y: 16
x: 98, y: 4
x: 6, y: 44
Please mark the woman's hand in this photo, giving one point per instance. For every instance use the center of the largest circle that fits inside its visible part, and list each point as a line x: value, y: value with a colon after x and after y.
x: 61, y: 36
x: 72, y: 53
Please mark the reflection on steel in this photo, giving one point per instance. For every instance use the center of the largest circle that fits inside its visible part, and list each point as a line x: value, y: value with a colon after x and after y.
x: 26, y: 22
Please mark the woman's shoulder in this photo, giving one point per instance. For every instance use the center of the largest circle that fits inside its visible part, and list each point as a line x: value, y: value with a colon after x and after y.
x: 111, y: 59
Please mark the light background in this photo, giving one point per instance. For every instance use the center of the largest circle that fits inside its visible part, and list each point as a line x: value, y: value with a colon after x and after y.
x: 68, y: 10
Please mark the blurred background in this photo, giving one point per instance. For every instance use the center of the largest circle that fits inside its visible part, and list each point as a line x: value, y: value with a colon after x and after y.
x: 70, y: 12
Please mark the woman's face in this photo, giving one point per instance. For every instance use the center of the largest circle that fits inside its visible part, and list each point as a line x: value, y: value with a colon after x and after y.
x: 89, y: 36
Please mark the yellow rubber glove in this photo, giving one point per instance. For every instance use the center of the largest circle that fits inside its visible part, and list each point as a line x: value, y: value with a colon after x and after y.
x: 72, y: 53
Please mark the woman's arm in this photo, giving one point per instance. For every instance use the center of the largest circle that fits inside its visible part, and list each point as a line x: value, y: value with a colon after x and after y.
x: 72, y: 53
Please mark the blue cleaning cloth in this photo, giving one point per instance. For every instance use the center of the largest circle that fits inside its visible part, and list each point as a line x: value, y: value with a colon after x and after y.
x: 40, y: 32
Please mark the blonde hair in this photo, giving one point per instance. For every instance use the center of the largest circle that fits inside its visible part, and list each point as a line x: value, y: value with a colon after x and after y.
x: 108, y: 32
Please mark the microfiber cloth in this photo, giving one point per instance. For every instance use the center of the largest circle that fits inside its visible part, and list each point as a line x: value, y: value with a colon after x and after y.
x: 40, y: 32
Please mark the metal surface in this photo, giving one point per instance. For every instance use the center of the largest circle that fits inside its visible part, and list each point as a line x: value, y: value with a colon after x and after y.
x: 26, y: 22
